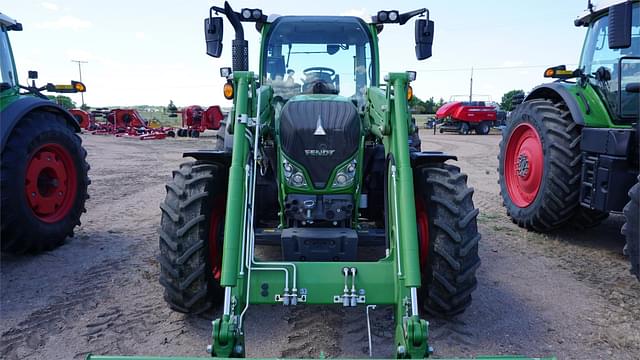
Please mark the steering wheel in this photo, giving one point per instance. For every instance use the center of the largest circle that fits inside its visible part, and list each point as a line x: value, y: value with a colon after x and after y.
x: 320, y: 69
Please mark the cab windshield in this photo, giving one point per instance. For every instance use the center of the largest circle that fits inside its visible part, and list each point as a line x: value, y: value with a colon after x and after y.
x: 6, y: 62
x: 620, y: 66
x: 318, y: 55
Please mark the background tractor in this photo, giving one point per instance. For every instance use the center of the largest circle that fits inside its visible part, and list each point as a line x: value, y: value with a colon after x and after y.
x: 43, y: 178
x: 569, y: 153
x: 320, y: 167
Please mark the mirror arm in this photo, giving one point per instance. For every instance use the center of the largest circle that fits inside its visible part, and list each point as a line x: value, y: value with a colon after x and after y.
x: 234, y: 19
x: 232, y: 16
x: 404, y: 17
x: 35, y: 90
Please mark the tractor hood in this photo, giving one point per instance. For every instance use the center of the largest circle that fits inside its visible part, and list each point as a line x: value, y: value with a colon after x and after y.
x: 319, y: 132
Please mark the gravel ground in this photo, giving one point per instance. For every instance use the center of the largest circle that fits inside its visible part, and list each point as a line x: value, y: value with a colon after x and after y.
x: 567, y: 294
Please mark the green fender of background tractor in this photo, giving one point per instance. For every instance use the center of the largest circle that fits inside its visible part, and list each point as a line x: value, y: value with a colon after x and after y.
x: 19, y: 106
x: 587, y: 108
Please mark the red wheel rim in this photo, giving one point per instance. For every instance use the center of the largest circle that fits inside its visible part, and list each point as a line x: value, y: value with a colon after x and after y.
x: 216, y: 232
x: 523, y: 165
x: 51, y: 182
x: 422, y: 221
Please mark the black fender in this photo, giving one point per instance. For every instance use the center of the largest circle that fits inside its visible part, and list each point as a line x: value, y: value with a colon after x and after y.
x: 15, y: 111
x: 216, y: 156
x: 556, y: 91
x: 429, y: 157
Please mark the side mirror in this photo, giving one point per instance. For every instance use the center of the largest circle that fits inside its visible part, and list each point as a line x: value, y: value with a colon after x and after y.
x: 424, y: 38
x: 33, y: 75
x: 620, y: 26
x: 213, y: 35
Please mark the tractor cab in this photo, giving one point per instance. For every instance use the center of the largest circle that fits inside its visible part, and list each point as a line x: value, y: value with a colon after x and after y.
x: 311, y: 55
x: 8, y: 76
x: 610, y: 58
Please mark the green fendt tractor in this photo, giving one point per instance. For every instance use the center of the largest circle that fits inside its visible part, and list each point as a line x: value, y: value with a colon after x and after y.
x: 43, y: 179
x: 320, y: 166
x: 570, y: 152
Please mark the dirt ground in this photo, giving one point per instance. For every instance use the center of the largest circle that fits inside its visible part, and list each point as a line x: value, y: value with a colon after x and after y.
x: 567, y: 294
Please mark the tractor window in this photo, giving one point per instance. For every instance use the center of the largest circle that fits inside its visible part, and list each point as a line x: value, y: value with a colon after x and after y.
x: 318, y: 55
x: 621, y: 64
x: 596, y: 51
x: 6, y: 61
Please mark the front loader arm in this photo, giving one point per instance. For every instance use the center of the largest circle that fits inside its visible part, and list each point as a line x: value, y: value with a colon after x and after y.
x: 388, y: 119
x: 227, y: 337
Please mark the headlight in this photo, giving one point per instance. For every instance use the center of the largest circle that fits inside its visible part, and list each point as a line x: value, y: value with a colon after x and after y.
x: 293, y: 175
x: 345, y: 175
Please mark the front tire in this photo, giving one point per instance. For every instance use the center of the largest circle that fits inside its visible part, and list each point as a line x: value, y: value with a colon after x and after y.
x: 539, y: 165
x: 191, y: 237
x: 448, y: 237
x: 631, y: 230
x: 43, y: 183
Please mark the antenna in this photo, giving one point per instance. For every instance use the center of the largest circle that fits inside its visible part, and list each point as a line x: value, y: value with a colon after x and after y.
x: 80, y: 62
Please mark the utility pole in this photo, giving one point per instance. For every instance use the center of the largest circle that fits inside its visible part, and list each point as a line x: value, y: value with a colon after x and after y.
x: 471, y: 86
x: 80, y: 62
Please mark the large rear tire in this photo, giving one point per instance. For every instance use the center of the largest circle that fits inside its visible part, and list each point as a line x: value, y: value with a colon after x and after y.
x: 539, y: 165
x: 631, y: 230
x: 448, y: 237
x: 43, y: 183
x: 223, y: 140
x: 192, y: 228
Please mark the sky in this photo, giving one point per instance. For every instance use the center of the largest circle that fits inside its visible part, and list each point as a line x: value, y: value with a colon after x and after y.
x: 144, y: 52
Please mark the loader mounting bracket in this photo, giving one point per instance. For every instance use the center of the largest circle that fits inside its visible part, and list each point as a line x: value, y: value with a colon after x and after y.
x: 227, y: 340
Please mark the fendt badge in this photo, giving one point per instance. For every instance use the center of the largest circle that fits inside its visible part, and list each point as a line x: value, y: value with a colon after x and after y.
x: 315, y: 152
x: 321, y: 151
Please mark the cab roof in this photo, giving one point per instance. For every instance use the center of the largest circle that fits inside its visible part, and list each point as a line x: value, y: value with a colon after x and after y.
x: 320, y: 29
x: 597, y: 9
x: 6, y: 21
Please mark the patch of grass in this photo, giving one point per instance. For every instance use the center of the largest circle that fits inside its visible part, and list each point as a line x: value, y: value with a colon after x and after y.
x: 163, y: 118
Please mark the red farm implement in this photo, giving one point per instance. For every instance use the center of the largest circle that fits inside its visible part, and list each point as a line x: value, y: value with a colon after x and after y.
x: 196, y: 119
x: 464, y: 116
x: 129, y: 123
x: 86, y: 119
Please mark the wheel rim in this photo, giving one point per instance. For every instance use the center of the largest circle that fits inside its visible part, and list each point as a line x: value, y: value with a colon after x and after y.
x: 523, y: 165
x: 51, y: 182
x: 216, y: 233
x: 422, y: 221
